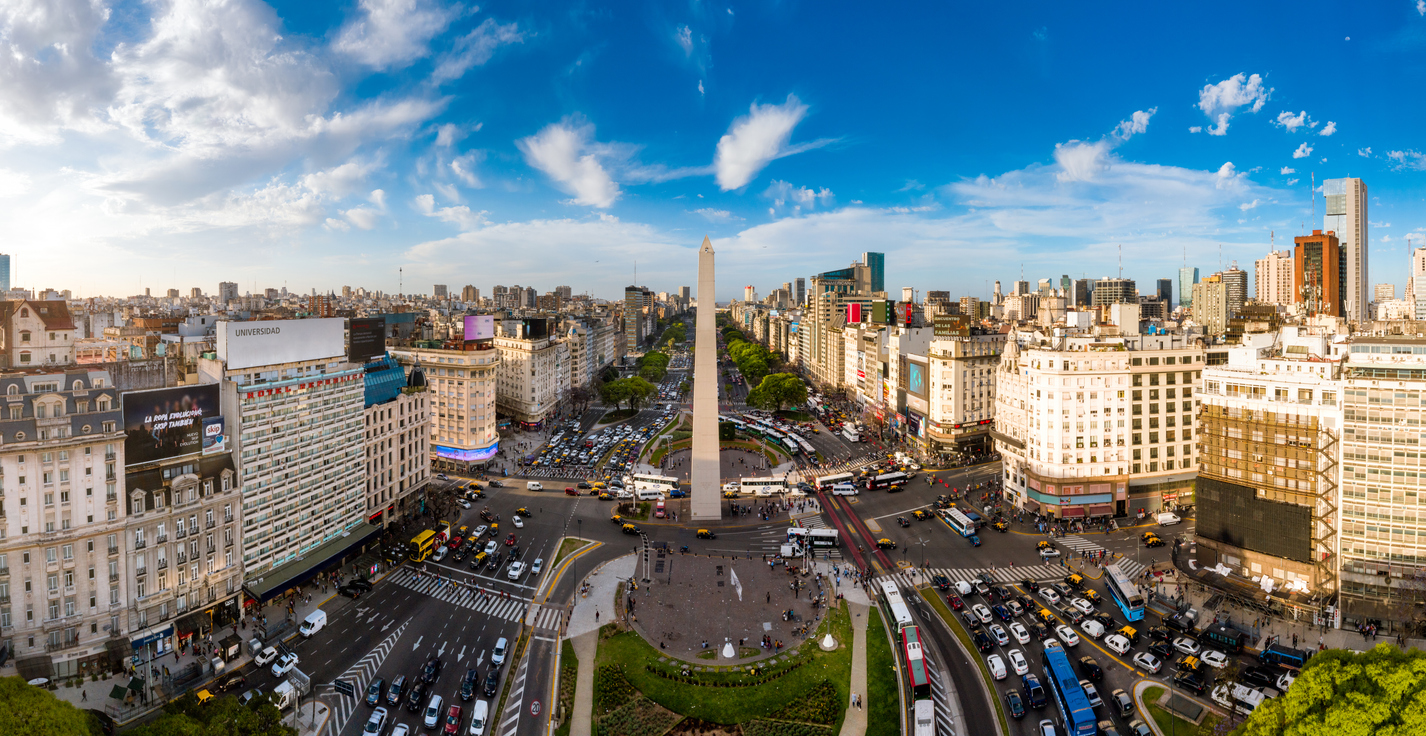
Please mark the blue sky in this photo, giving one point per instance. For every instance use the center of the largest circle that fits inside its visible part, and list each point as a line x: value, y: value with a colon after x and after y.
x: 178, y: 144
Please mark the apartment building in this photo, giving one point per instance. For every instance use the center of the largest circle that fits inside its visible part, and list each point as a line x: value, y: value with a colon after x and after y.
x: 960, y: 391
x: 36, y: 333
x: 62, y: 523
x: 1093, y: 425
x: 462, y: 390
x: 533, y: 372
x: 1274, y: 276
x: 397, y: 439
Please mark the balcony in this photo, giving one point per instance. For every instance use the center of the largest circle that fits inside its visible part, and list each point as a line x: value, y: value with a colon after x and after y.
x: 113, y: 577
x: 212, y: 523
x: 4, y: 572
x: 139, y: 544
x: 182, y: 558
x: 111, y: 498
x: 140, y: 572
x: 55, y: 646
x: 162, y: 538
x: 114, y: 550
x: 4, y: 599
x: 163, y: 564
x: 109, y: 456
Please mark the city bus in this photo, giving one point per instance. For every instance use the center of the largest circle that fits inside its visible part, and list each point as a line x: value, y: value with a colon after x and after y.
x: 423, y: 545
x: 1074, y: 706
x: 1124, y: 592
x: 915, y: 656
x: 887, y: 481
x: 648, y: 487
x: 958, y: 521
x: 770, y: 485
x: 850, y: 433
x: 895, y: 605
x: 826, y: 482
x: 924, y: 712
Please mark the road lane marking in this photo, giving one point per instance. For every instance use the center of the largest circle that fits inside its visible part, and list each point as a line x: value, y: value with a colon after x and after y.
x: 417, y: 645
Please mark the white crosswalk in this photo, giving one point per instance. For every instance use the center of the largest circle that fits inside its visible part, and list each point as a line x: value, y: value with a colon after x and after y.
x: 548, y: 619
x: 1037, y: 573
x: 490, y: 603
x: 942, y: 699
x: 1077, y: 544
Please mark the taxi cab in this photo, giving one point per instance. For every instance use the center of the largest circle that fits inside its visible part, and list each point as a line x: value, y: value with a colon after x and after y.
x: 730, y: 494
x: 600, y: 485
x: 920, y: 515
x: 1190, y: 662
x: 885, y: 543
x: 1045, y: 615
x: 630, y: 529
x: 461, y: 532
x: 1092, y: 596
x: 705, y: 534
x: 1074, y: 581
x: 1130, y: 633
x: 204, y: 696
x: 606, y: 496
x: 1152, y: 540
x: 1043, y: 544
x: 617, y: 519
x: 1000, y: 526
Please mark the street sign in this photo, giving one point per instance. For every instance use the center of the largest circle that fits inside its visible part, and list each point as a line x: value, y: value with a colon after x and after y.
x: 344, y: 687
x: 534, y: 707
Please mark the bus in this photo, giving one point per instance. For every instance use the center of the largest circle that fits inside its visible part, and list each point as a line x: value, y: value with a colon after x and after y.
x: 825, y: 482
x: 895, y: 605
x: 423, y: 545
x: 1124, y: 592
x: 822, y: 538
x: 647, y: 487
x: 769, y: 485
x: 915, y: 656
x: 1074, y: 706
x: 851, y: 434
x: 925, y: 713
x: 888, y: 481
x: 958, y: 521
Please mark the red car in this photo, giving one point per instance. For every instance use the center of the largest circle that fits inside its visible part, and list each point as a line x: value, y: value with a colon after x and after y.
x: 510, y: 540
x: 455, y: 543
x: 955, y: 601
x: 453, y: 721
x: 570, y: 492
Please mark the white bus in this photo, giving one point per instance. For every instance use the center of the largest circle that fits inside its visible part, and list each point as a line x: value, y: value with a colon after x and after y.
x: 850, y: 433
x: 925, y: 714
x: 844, y: 489
x: 822, y: 538
x: 766, y: 485
x: 958, y: 521
x: 647, y: 487
x: 900, y: 614
x: 827, y: 481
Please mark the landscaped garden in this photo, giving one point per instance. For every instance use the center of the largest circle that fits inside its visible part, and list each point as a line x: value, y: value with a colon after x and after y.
x: 883, y: 701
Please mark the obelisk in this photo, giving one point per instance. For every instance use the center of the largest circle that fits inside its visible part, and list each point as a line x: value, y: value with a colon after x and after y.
x: 705, y: 475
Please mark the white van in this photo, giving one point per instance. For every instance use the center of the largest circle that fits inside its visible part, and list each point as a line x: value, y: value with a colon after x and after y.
x: 313, y: 623
x: 649, y: 494
x: 734, y: 486
x: 534, y: 485
x: 478, y: 714
x: 844, y: 489
x: 1092, y: 628
x: 497, y: 657
x: 1168, y: 519
x: 964, y: 588
x: 1243, y: 698
x: 440, y: 553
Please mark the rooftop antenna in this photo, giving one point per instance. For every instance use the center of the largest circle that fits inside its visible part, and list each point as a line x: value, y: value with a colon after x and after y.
x: 1121, y: 260
x: 400, y: 283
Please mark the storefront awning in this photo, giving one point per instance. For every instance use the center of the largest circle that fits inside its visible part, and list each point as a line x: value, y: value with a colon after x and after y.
x: 148, y: 636
x: 298, y: 572
x: 1072, y: 511
x: 1032, y: 505
x: 1101, y: 510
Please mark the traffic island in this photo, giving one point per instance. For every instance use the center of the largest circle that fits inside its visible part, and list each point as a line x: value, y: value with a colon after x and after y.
x: 1175, y: 714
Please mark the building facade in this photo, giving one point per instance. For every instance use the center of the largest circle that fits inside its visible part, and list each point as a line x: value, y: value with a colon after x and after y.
x: 1274, y: 278
x: 464, y: 432
x: 1318, y: 274
x: 961, y: 392
x: 397, y: 438
x: 38, y: 334
x: 1346, y: 215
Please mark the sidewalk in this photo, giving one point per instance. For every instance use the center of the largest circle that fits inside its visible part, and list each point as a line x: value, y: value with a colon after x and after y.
x: 597, y: 608
x: 586, y: 646
x: 855, y: 722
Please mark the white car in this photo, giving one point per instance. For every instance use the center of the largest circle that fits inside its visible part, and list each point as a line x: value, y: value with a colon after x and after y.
x: 1049, y: 595
x: 491, y: 546
x: 1047, y: 552
x: 479, y: 531
x: 1020, y: 633
x: 464, y: 503
x: 1051, y: 643
x: 375, y: 723
x: 400, y: 729
x: 1083, y: 605
x: 1067, y: 634
x: 1017, y: 661
x: 1284, y: 681
x: 537, y: 566
x: 433, y: 712
x: 1213, y: 658
x: 998, y: 632
x: 518, y: 523
x: 981, y: 612
x: 283, y: 665
x: 1148, y: 662
x: 516, y: 570
x: 1186, y: 645
x: 1117, y: 643
x: 265, y: 656
x: 1089, y: 692
x: 996, y: 665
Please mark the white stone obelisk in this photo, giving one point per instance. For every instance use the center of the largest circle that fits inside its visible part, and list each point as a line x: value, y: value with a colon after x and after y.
x: 705, y: 476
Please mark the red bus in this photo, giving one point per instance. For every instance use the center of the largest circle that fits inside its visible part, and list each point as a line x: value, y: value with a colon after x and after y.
x: 915, y: 663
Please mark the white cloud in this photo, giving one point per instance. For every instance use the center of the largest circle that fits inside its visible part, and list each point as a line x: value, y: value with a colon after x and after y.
x: 700, y: 87
x: 567, y: 152
x: 1195, y: 129
x: 1293, y: 122
x: 756, y: 139
x: 1408, y: 159
x: 1303, y: 151
x: 50, y: 80
x: 341, y: 180
x: 1367, y: 152
x: 1137, y: 123
x: 13, y: 183
x: 1290, y: 182
x: 392, y: 33
x: 1080, y: 161
x: 475, y: 49
x: 1328, y: 129
x: 1249, y: 205
x: 1384, y: 239
x: 715, y: 215
x: 378, y: 198
x: 1228, y: 177
x: 332, y: 223
x: 362, y: 217
x: 464, y: 168
x: 425, y: 203
x: 449, y: 134
x: 1287, y: 170
x: 683, y: 36
x: 784, y: 194
x: 1220, y: 101
x: 1421, y: 7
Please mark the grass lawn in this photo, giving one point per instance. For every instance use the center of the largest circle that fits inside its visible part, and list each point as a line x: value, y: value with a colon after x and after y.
x: 1171, y: 724
x: 569, y: 671
x: 657, y: 455
x: 954, y: 624
x: 729, y: 705
x: 569, y: 545
x: 883, y: 697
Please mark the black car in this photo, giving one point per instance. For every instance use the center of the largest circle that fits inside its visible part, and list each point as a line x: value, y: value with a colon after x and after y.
x: 1159, y: 633
x: 1261, y: 676
x: 972, y: 623
x: 982, y: 642
x: 398, y: 685
x: 1027, y: 603
x: 495, y: 561
x: 998, y: 593
x: 1015, y: 704
x: 432, y: 671
x: 986, y: 578
x: 460, y: 553
x: 1109, y: 623
x: 350, y: 592
x: 468, y: 684
x: 941, y: 582
x: 360, y: 584
x: 514, y: 553
x: 492, y: 681
x: 1190, y: 680
x: 1163, y: 650
x: 903, y: 521
x: 230, y: 681
x: 415, y: 701
x: 1040, y: 631
x: 1178, y: 622
x: 1029, y: 585
x: 1091, y: 669
x: 373, y: 692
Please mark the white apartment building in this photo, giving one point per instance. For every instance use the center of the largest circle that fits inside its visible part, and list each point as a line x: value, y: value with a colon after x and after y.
x: 1274, y: 278
x: 533, y: 373
x: 462, y: 389
x: 1345, y: 213
x: 1094, y: 426
x: 36, y: 333
x: 397, y: 438
x: 62, y: 523
x: 960, y: 401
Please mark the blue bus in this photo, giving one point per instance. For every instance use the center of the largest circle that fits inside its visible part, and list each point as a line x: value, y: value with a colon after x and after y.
x: 1069, y: 695
x: 1124, y: 592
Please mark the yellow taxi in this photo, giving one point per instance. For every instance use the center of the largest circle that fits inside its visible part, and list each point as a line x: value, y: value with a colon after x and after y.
x: 705, y: 534
x: 1045, y: 615
x: 885, y: 543
x: 920, y: 515
x: 617, y: 519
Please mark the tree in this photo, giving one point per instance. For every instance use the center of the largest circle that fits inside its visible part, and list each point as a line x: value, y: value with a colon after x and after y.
x: 639, y: 391
x: 26, y: 709
x: 223, y: 716
x: 1339, y: 693
x: 579, y: 398
x: 615, y: 393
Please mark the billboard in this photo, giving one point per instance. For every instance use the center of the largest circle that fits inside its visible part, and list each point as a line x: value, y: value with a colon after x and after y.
x: 367, y: 339
x: 916, y: 378
x: 479, y: 327
x: 466, y: 456
x: 909, y: 311
x: 951, y: 325
x: 854, y: 313
x: 167, y: 422
x: 214, y: 441
x: 881, y: 310
x: 272, y: 342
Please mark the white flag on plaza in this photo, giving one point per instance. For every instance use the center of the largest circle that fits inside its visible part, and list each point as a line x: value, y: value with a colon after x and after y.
x: 738, y: 586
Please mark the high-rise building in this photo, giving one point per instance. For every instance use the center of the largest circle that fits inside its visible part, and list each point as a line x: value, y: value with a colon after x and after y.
x: 469, y: 294
x: 439, y: 291
x: 1082, y: 294
x: 346, y: 292
x: 1317, y: 276
x: 1187, y: 277
x: 876, y: 271
x: 227, y: 291
x: 534, y: 372
x: 4, y: 272
x: 801, y: 291
x: 1235, y: 281
x: 750, y: 294
x: 462, y: 395
x: 970, y: 306
x: 1273, y: 276
x: 195, y: 293
x: 1210, y: 304
x: 1019, y: 288
x: 1418, y: 268
x: 685, y: 293
x: 398, y: 437
x: 1066, y: 285
x: 1346, y: 215
x: 1383, y: 292
x: 1115, y: 291
x: 1165, y: 293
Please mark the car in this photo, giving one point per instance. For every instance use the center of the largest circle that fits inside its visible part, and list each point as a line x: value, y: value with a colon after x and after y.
x: 1190, y: 680
x: 571, y: 492
x: 265, y: 656
x: 230, y: 681
x: 416, y: 696
x: 1122, y: 702
x: 1001, y: 612
x: 516, y: 570
x: 972, y: 623
x: 1046, y: 552
x: 1000, y: 526
x: 1091, y: 669
x: 373, y: 691
x: 996, y: 665
x: 955, y: 602
x: 1015, y: 704
x: 452, y: 720
x: 982, y: 642
x: 1108, y: 621
x: 1029, y: 585
x: 902, y: 521
x: 491, y: 546
x: 941, y: 582
x: 1148, y: 662
x: 1161, y: 649
x: 982, y: 587
x: 1067, y: 635
x: 1180, y: 623
x: 1001, y: 638
x: 981, y: 612
x: 479, y: 531
x: 1039, y: 630
x: 250, y: 697
x: 1214, y: 658
x: 1015, y: 607
x: 1139, y: 728
x: 1021, y: 634
x: 1159, y: 633
x: 885, y: 543
x: 284, y: 664
x: 432, y: 671
x: 1046, y: 727
x: 1261, y: 676
x: 1285, y: 681
x: 518, y: 523
x: 974, y: 540
x: 1107, y: 728
x: 1186, y: 645
x: 400, y: 729
x: 1092, y: 596
x: 375, y: 723
x: 1064, y: 590
x: 492, y: 682
x: 537, y: 566
x: 398, y: 686
x: 510, y: 540
x: 1050, y: 595
x: 1051, y: 643
x: 1153, y: 541
x: 1018, y: 661
x: 1118, y: 644
x: 469, y: 683
x: 433, y: 712
x: 1083, y: 605
x: 1090, y: 692
x: 515, y: 553
x: 463, y: 503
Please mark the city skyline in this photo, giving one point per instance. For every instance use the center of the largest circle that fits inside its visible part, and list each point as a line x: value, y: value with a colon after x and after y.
x: 370, y: 141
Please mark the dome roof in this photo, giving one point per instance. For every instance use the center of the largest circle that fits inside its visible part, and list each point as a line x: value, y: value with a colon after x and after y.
x: 417, y: 378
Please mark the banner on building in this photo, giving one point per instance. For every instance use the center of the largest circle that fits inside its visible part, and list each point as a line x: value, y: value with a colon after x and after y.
x: 951, y: 325
x: 214, y: 441
x: 854, y: 313
x: 167, y: 422
x: 479, y: 327
x: 366, y: 339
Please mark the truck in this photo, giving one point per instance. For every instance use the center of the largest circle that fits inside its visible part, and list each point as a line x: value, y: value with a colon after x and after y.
x: 1167, y: 519
x: 284, y: 695
x: 314, y: 622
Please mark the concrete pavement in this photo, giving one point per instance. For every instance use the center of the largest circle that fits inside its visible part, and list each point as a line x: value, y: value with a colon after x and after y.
x: 586, y: 646
x: 854, y: 724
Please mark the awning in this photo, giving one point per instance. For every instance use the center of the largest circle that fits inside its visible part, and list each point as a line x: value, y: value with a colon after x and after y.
x: 119, y: 692
x: 1071, y: 511
x: 307, y: 567
x: 1101, y: 510
x: 1032, y: 505
x: 149, y: 636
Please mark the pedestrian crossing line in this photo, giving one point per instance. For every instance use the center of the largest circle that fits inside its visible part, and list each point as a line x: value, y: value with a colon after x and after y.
x: 548, y: 619
x: 514, y: 703
x: 509, y: 609
x: 942, y: 700
x: 359, y: 675
x: 1007, y: 575
x: 1078, y: 544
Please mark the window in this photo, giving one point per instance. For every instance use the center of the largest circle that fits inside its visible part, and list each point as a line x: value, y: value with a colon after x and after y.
x: 67, y: 551
x: 138, y: 506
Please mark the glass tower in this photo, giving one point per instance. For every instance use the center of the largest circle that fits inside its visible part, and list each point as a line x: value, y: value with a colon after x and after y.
x: 876, y: 263
x: 1187, y: 277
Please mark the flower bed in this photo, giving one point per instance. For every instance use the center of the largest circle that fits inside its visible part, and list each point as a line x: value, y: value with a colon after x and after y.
x: 783, y: 728
x: 611, y: 689
x: 821, y: 704
x: 638, y: 717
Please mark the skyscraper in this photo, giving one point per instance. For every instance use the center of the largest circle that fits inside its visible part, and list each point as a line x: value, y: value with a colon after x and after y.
x: 801, y: 291
x: 1317, y: 280
x: 440, y: 291
x: 876, y: 264
x: 1235, y: 281
x: 227, y: 291
x: 4, y: 272
x: 1066, y: 285
x: 1187, y: 277
x: 1165, y: 293
x: 1346, y: 215
x: 1273, y: 276
x: 1114, y: 291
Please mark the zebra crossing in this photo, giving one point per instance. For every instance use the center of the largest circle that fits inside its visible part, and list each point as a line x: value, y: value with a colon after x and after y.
x: 1037, y: 573
x: 460, y: 594
x: 358, y: 675
x: 546, y: 618
x: 1077, y: 544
